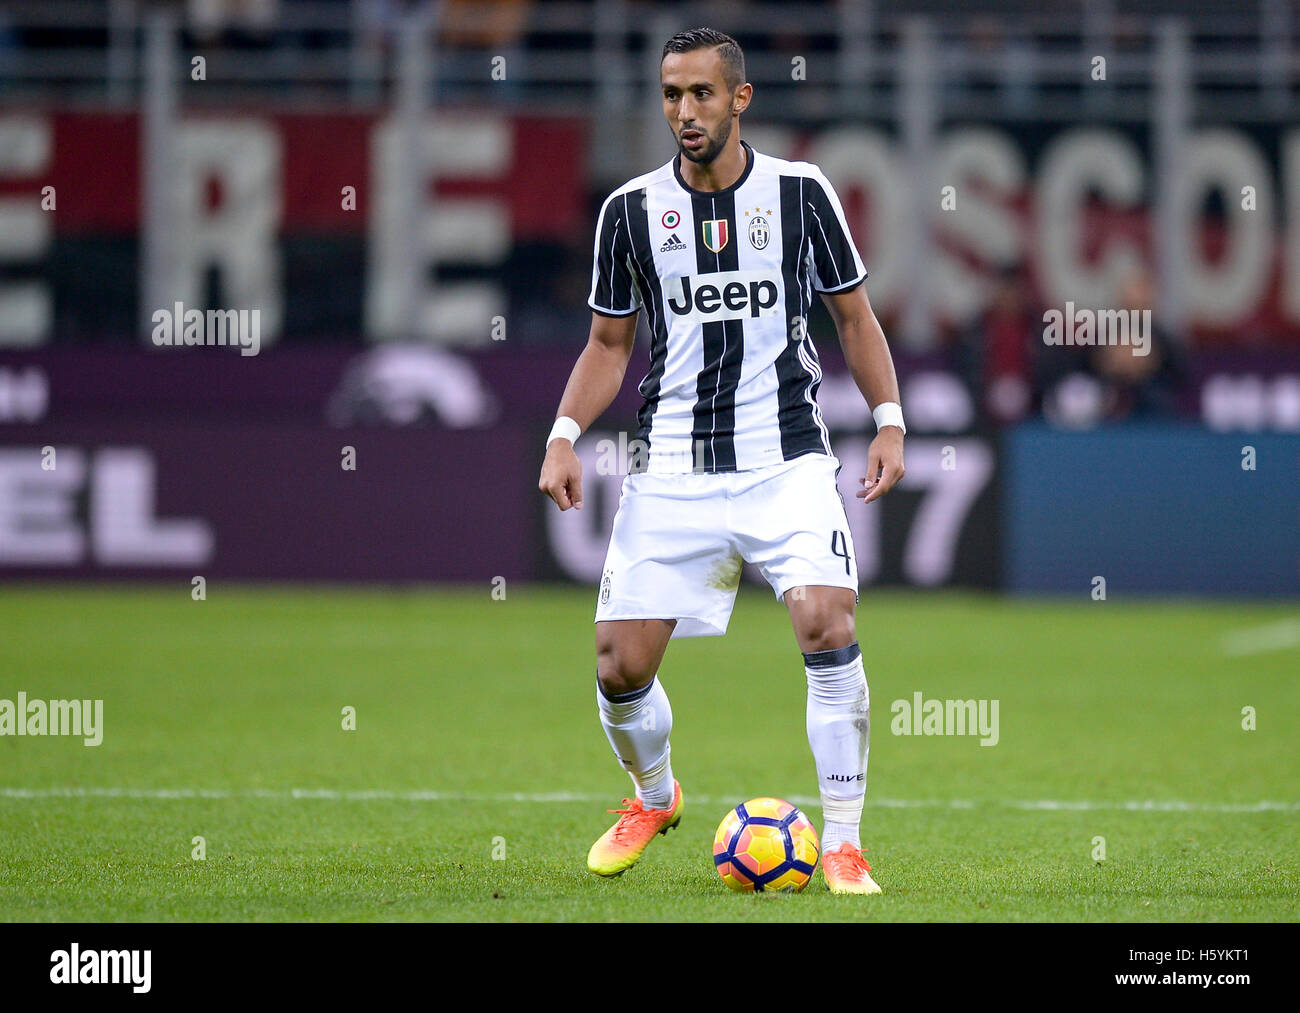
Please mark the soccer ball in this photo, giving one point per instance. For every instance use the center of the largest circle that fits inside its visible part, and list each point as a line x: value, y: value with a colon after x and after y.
x: 766, y: 844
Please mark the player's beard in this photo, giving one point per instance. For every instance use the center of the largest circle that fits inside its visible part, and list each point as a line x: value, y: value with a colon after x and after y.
x: 712, y: 146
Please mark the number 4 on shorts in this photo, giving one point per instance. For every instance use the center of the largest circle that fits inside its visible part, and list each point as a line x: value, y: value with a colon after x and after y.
x: 840, y: 547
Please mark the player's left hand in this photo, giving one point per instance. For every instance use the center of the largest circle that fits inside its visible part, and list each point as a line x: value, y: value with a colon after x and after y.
x: 884, y: 464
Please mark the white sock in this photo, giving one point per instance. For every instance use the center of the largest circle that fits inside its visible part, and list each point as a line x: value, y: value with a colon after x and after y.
x: 637, y: 725
x: 839, y: 732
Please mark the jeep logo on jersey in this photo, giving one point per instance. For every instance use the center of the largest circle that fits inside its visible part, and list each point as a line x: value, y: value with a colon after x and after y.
x: 726, y: 295
x: 715, y: 234
x: 759, y: 233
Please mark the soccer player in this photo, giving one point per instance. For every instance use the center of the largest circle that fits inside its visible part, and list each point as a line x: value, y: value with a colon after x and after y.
x: 723, y: 247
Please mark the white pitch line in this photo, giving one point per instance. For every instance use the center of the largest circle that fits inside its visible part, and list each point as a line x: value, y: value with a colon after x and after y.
x: 386, y: 795
x: 1260, y: 639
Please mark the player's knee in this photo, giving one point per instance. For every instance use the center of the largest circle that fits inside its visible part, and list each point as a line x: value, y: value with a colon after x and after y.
x: 827, y: 630
x: 623, y: 668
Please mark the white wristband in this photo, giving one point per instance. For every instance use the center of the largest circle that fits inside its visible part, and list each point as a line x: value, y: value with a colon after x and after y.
x: 564, y: 429
x: 889, y: 414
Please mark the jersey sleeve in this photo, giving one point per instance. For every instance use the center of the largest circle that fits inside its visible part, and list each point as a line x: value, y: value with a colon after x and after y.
x: 614, y: 289
x: 836, y: 264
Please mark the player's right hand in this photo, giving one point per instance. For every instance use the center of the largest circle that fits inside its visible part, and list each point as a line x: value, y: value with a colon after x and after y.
x: 562, y: 475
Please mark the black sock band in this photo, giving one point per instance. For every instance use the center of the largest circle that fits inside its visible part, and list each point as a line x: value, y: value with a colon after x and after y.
x: 833, y: 658
x: 636, y: 694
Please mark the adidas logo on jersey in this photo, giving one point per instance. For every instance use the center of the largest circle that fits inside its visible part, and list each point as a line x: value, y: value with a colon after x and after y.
x: 724, y: 295
x: 671, y: 244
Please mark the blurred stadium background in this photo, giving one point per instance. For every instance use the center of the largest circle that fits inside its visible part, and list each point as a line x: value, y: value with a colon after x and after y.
x: 406, y: 193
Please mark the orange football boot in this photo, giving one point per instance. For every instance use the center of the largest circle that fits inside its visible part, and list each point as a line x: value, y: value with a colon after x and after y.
x: 623, y: 844
x: 847, y: 871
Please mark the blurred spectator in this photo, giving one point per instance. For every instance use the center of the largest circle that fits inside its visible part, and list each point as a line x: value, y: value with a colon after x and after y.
x: 557, y: 312
x: 999, y: 351
x: 232, y: 22
x: 1139, y: 386
x: 491, y: 33
x: 483, y: 24
x: 1086, y: 385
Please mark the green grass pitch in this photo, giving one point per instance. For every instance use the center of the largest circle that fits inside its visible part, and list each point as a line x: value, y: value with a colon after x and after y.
x: 477, y: 775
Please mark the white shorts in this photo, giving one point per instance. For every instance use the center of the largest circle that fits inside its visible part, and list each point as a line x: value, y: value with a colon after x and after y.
x: 679, y: 541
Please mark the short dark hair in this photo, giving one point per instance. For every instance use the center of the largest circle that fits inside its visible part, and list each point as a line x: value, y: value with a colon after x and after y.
x: 733, y: 58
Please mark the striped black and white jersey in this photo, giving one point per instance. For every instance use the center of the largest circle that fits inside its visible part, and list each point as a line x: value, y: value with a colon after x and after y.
x: 727, y: 280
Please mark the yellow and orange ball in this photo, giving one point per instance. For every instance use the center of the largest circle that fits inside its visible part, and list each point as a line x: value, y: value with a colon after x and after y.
x: 766, y: 844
